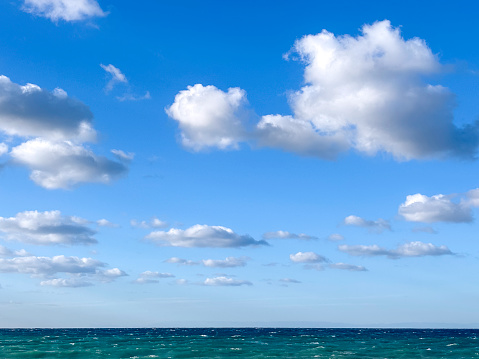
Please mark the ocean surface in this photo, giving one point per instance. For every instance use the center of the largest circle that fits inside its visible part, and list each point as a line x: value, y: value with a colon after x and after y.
x: 239, y: 343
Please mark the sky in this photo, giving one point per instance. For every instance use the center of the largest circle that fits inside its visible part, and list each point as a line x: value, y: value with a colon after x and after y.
x: 212, y: 163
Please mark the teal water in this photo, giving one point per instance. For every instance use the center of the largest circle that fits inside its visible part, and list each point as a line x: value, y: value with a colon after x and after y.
x: 239, y: 343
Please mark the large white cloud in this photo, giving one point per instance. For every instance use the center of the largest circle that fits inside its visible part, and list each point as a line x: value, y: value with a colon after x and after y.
x: 46, y: 228
x: 377, y: 226
x: 29, y: 111
x: 68, y: 10
x: 64, y: 164
x: 411, y: 249
x: 307, y: 257
x: 209, y: 117
x: 370, y: 90
x: 438, y: 208
x: 202, y: 236
x: 225, y: 281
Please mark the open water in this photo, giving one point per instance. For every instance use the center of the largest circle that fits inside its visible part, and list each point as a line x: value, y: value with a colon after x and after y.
x: 239, y: 343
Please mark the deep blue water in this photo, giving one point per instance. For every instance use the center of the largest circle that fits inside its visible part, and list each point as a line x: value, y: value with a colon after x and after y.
x: 239, y: 343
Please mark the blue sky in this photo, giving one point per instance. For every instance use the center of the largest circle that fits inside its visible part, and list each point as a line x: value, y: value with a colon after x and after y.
x: 214, y: 163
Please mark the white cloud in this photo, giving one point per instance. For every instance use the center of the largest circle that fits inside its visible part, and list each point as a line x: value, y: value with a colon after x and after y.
x: 153, y: 223
x: 349, y: 267
x: 48, y: 266
x: 411, y: 249
x: 307, y: 257
x: 202, y: 236
x: 181, y: 261
x: 123, y: 156
x: 438, y: 208
x: 426, y: 229
x: 286, y: 235
x: 116, y: 76
x: 46, y: 228
x: 68, y: 10
x: 3, y: 148
x: 335, y: 237
x: 298, y: 136
x: 64, y: 164
x: 29, y: 111
x: 377, y: 226
x: 225, y: 281
x: 106, y: 223
x: 131, y: 97
x: 109, y: 275
x: 289, y: 281
x: 229, y: 262
x: 66, y: 282
x: 209, y: 117
x: 152, y: 277
x: 369, y: 90
x: 6, y: 252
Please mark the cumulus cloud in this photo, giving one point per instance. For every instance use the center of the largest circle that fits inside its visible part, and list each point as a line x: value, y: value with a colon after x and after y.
x: 202, y: 236
x: 46, y: 228
x: 377, y: 226
x: 67, y: 10
x: 151, y: 277
x: 286, y: 235
x: 29, y: 111
x: 109, y: 275
x: 369, y: 90
x: 438, y: 208
x: 116, y: 76
x: 411, y: 249
x: 176, y: 260
x: 307, y: 257
x: 349, y: 267
x: 229, y: 262
x: 209, y: 117
x: 225, y: 281
x: 63, y: 164
x: 106, y: 223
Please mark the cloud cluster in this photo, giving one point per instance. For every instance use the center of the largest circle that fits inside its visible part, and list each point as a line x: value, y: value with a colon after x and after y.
x: 286, y: 235
x: 67, y: 10
x: 202, y: 236
x: 46, y: 228
x: 366, y: 92
x: 438, y: 208
x: 411, y: 249
x: 58, y: 125
x: 225, y: 281
x: 377, y: 226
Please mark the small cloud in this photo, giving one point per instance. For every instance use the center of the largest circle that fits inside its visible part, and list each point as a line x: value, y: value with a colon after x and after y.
x: 67, y: 10
x: 289, y: 281
x: 411, y: 249
x: 349, y: 267
x: 123, y: 156
x: 62, y: 282
x: 3, y: 148
x: 130, y: 97
x: 109, y: 275
x: 307, y: 257
x: 116, y: 77
x: 426, y: 229
x: 106, y: 223
x: 229, y: 262
x: 377, y: 226
x: 225, y: 281
x: 176, y: 260
x: 152, y: 277
x: 335, y: 237
x: 153, y: 223
x: 202, y: 236
x: 286, y: 235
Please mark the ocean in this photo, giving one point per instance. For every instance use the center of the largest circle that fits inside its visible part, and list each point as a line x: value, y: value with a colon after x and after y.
x: 239, y: 343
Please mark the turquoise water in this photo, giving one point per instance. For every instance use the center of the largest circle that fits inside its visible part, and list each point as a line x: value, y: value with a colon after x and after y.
x: 239, y: 343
